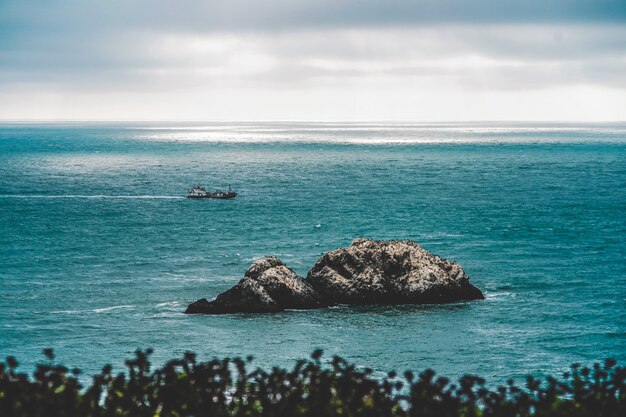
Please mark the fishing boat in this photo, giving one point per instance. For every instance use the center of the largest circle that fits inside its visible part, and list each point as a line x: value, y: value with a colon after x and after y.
x: 198, y: 191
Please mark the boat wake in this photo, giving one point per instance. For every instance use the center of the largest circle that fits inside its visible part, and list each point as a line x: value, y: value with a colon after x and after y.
x: 100, y: 196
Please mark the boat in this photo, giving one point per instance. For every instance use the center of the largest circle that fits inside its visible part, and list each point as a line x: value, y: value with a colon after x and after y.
x: 198, y: 191
x: 224, y: 195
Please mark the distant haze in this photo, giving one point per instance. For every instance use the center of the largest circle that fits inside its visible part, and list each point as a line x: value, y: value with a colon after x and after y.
x: 313, y: 60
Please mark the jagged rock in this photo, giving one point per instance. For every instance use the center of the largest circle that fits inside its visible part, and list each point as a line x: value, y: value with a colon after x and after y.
x: 268, y: 286
x: 366, y: 272
x: 389, y: 272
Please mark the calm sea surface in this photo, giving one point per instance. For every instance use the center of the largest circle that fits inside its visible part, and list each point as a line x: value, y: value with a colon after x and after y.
x: 100, y: 253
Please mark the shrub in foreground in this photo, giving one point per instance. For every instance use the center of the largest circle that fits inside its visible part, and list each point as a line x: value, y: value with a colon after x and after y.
x: 186, y: 387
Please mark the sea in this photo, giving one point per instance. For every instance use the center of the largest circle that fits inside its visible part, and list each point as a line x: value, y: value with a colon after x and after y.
x: 100, y: 251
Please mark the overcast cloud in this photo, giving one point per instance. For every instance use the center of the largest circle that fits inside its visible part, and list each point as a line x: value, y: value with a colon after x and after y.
x: 236, y: 59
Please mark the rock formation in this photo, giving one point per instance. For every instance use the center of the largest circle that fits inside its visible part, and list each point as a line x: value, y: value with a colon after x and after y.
x: 366, y: 272
x: 389, y: 272
x: 268, y: 286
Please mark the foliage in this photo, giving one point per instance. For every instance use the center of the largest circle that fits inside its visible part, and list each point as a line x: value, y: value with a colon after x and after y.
x: 186, y: 387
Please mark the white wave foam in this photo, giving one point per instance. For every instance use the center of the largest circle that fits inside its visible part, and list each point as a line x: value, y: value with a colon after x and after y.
x: 95, y: 310
x: 166, y: 314
x: 105, y: 309
x: 66, y: 312
x: 499, y: 295
x: 169, y: 304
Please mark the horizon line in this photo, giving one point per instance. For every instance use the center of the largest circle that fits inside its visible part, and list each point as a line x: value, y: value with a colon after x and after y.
x: 390, y: 121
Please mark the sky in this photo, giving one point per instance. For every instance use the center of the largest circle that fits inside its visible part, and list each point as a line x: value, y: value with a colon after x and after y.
x: 325, y: 60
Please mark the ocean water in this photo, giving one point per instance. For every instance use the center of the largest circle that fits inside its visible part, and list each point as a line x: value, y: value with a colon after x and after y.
x: 100, y: 253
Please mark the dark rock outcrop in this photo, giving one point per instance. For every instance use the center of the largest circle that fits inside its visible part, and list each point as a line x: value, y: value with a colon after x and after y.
x: 389, y: 272
x: 268, y: 286
x: 366, y: 272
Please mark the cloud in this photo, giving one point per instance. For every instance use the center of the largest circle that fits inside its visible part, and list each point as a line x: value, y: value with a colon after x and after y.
x: 470, y: 56
x: 297, y: 48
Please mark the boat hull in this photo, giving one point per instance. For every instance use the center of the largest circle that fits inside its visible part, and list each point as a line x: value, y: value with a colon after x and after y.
x: 223, y: 196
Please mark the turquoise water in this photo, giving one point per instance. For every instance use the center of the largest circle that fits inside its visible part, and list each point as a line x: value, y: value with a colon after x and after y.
x: 100, y: 254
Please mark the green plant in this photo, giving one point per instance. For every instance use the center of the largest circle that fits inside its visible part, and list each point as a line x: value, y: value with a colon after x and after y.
x: 186, y: 387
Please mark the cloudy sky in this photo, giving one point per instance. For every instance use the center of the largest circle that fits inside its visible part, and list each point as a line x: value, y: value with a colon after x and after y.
x: 412, y: 60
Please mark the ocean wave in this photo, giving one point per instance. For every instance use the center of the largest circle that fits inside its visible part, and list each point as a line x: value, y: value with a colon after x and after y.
x: 95, y: 310
x: 67, y: 312
x: 494, y: 296
x: 169, y: 304
x: 166, y: 315
x: 106, y: 309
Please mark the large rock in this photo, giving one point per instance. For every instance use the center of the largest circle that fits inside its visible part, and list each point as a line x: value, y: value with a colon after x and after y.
x: 389, y: 272
x: 366, y: 272
x: 268, y: 286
